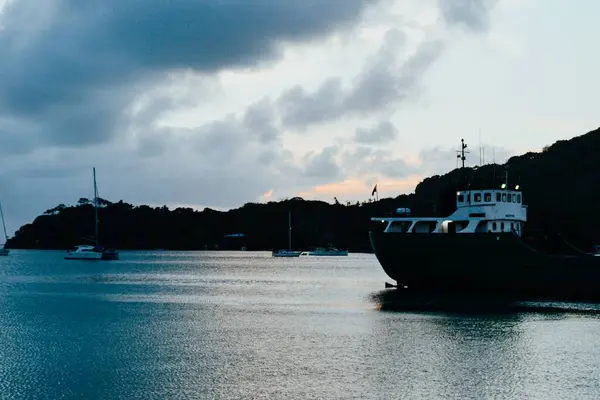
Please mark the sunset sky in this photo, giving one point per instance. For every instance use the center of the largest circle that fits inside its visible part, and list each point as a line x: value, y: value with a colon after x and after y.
x: 218, y: 103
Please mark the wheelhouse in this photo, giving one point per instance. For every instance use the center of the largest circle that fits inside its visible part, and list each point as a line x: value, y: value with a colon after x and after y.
x: 477, y: 211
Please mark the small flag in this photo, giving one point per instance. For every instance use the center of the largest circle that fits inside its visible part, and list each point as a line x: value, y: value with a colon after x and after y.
x: 374, y: 190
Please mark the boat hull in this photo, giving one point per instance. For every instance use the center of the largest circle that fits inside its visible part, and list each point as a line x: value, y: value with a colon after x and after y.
x: 484, y: 264
x: 83, y: 256
x: 286, y: 253
x: 110, y: 255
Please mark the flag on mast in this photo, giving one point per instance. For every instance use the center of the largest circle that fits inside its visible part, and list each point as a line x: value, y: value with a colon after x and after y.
x: 374, y: 190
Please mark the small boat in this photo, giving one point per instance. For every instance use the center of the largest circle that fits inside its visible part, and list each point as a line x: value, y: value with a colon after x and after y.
x: 84, y: 252
x: 4, y: 250
x: 287, y: 252
x: 329, y: 251
x: 89, y: 252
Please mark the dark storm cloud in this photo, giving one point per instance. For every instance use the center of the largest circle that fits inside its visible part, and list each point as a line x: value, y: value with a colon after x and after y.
x: 74, y: 66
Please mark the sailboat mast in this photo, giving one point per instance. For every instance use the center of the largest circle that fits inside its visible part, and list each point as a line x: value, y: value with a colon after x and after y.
x: 95, y: 208
x: 3, y: 224
x: 290, y: 230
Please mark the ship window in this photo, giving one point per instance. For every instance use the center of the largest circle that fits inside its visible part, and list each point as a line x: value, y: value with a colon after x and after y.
x: 494, y: 226
x: 519, y: 198
x: 461, y: 198
x: 504, y: 197
x: 487, y: 197
x: 502, y: 226
x: 512, y: 226
x: 498, y: 196
x: 514, y: 198
x: 477, y: 197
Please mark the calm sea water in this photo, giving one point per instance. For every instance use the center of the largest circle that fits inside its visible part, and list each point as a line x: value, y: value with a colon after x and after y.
x: 243, y: 325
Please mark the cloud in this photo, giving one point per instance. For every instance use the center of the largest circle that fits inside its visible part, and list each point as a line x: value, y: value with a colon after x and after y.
x: 99, y: 83
x: 383, y: 82
x: 70, y: 68
x: 322, y: 164
x: 439, y: 160
x: 383, y: 132
x: 366, y: 161
x: 471, y: 14
x: 388, y: 78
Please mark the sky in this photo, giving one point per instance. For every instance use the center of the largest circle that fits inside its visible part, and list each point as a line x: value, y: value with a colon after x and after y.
x: 216, y: 103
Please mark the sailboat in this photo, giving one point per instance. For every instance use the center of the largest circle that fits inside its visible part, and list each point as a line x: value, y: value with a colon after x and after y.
x: 3, y: 251
x: 96, y: 252
x: 289, y: 252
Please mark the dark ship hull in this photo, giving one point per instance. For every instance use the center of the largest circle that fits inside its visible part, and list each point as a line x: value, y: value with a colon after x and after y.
x: 485, y: 265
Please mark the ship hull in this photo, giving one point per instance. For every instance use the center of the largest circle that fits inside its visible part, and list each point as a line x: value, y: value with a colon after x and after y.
x: 484, y: 264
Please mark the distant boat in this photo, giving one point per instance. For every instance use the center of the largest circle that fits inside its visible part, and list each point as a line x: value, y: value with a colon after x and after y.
x: 287, y: 252
x: 4, y: 250
x: 88, y: 252
x: 330, y: 251
x: 84, y: 252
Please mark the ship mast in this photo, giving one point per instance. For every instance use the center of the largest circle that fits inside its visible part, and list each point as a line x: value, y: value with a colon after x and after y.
x: 95, y: 208
x: 3, y: 224
x: 461, y: 152
x: 290, y: 230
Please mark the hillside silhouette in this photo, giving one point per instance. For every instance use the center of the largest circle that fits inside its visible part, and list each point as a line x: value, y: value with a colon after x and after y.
x: 560, y: 185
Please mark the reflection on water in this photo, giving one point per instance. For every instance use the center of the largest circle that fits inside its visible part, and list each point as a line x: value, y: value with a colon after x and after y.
x: 395, y: 300
x: 219, y: 325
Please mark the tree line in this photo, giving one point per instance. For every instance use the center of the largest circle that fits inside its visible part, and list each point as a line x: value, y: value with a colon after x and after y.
x: 560, y: 185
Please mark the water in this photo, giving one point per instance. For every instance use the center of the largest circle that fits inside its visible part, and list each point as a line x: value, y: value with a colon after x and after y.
x: 243, y: 325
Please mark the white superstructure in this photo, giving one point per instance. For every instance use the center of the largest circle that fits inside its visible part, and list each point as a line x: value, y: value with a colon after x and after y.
x: 477, y: 211
x: 83, y: 252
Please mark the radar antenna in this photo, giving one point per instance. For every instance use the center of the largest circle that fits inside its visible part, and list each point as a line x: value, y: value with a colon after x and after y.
x: 461, y: 152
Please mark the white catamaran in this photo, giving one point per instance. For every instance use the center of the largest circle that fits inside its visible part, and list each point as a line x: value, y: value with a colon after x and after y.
x: 3, y: 250
x: 96, y: 252
x: 289, y: 252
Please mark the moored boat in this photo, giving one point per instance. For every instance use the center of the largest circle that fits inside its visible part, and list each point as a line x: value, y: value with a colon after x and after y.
x: 479, y: 250
x: 287, y: 252
x: 329, y: 251
x: 84, y: 252
x: 89, y: 252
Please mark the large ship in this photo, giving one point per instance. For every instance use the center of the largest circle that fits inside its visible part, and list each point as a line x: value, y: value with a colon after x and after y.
x: 479, y: 250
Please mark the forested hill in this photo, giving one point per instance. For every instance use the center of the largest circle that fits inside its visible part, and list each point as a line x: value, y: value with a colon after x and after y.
x: 560, y: 184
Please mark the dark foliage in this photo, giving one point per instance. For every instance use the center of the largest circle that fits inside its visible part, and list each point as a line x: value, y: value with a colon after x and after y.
x: 561, y: 186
